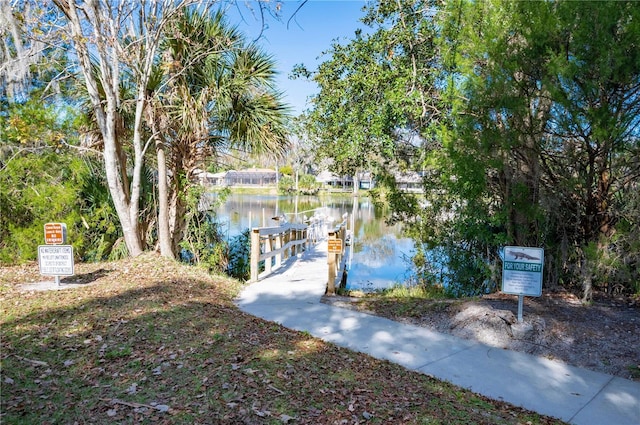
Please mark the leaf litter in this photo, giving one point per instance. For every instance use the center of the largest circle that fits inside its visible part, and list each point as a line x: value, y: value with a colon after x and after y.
x: 149, y: 340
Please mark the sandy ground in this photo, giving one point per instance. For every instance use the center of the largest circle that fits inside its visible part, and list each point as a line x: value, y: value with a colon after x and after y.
x: 603, y: 336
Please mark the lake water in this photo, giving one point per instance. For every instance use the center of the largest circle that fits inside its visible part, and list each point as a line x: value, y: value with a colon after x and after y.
x: 380, y: 255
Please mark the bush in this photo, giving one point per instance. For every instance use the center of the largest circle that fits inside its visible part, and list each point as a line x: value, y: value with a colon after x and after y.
x: 38, y: 188
x: 307, y: 184
x: 286, y: 185
x: 55, y: 187
x: 286, y: 170
x: 239, y: 256
x: 203, y: 243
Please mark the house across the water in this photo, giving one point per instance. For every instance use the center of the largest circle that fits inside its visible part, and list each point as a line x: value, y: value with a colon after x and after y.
x: 246, y: 177
x: 264, y: 177
x: 409, y: 181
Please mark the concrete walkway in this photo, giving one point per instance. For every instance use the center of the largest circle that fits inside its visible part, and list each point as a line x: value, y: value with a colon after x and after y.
x: 292, y: 296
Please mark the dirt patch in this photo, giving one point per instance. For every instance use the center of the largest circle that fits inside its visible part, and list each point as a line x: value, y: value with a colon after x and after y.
x: 603, y: 336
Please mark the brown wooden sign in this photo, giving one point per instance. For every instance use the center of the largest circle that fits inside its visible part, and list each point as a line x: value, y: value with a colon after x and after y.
x: 334, y: 246
x: 55, y: 233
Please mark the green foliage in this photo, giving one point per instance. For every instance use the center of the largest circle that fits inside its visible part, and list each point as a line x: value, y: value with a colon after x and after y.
x: 203, y: 243
x: 286, y: 170
x: 372, y: 95
x: 528, y: 120
x: 286, y: 184
x: 55, y: 187
x: 239, y: 256
x: 522, y: 158
x: 27, y: 123
x: 308, y: 184
x: 36, y: 189
x: 102, y: 234
x: 44, y: 180
x: 215, y: 96
x: 612, y: 264
x: 420, y: 291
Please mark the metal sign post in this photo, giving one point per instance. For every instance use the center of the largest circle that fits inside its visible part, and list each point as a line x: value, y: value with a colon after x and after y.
x: 522, y: 273
x: 520, y: 307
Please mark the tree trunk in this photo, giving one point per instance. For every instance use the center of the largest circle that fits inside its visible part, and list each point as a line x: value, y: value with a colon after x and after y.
x: 164, y: 235
x: 177, y: 213
x: 106, y: 111
x: 356, y: 183
x: 118, y: 192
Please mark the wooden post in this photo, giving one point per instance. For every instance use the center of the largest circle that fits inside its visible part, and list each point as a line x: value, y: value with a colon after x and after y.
x: 340, y: 236
x: 268, y: 247
x: 255, y: 254
x: 335, y: 253
x: 305, y: 235
x: 331, y: 261
x: 278, y: 247
x: 286, y: 238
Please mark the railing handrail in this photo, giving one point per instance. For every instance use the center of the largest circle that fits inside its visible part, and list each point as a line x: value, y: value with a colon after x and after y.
x: 280, y: 243
x: 280, y: 229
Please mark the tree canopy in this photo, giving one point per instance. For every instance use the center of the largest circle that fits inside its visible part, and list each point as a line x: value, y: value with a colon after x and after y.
x: 527, y: 117
x: 522, y: 117
x: 154, y: 75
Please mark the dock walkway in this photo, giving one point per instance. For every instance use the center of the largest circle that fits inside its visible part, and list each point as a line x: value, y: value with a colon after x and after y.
x: 292, y: 295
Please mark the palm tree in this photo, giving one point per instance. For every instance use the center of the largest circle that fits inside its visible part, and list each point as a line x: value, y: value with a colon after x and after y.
x: 216, y: 94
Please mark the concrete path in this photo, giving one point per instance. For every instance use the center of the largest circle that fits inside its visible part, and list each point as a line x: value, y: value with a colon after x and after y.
x: 292, y: 296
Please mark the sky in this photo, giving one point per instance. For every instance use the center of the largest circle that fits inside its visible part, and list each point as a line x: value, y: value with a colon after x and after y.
x: 311, y: 32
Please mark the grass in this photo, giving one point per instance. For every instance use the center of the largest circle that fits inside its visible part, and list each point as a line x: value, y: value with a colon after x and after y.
x: 426, y: 292
x: 148, y: 340
x: 634, y: 370
x: 404, y: 302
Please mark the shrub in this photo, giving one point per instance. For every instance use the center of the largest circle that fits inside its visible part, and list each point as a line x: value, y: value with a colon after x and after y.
x: 38, y: 188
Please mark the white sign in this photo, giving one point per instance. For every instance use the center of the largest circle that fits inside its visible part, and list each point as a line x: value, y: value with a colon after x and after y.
x: 55, y: 260
x: 522, y: 271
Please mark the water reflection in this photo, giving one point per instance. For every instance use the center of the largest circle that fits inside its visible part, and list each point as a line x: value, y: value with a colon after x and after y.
x: 380, y: 255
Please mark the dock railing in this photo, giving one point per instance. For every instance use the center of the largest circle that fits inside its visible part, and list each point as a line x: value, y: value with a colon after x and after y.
x: 272, y: 246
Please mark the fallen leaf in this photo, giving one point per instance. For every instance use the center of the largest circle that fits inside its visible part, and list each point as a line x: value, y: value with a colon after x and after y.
x: 285, y: 419
x: 162, y: 408
x: 33, y: 362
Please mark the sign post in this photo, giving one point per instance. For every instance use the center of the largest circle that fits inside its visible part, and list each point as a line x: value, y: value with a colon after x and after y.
x: 54, y: 258
x: 522, y: 273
